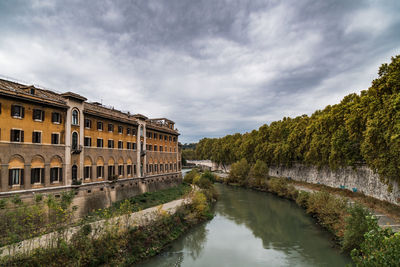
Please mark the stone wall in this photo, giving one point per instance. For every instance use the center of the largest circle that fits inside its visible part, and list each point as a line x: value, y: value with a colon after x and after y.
x: 360, y: 179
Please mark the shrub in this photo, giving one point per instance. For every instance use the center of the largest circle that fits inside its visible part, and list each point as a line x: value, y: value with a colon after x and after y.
x: 258, y: 173
x: 189, y: 177
x: 380, y: 246
x: 278, y: 186
x: 302, y: 199
x: 356, y: 227
x: 239, y: 172
x: 329, y: 210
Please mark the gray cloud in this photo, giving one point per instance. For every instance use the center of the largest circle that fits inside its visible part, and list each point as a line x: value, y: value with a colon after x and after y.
x: 214, y: 67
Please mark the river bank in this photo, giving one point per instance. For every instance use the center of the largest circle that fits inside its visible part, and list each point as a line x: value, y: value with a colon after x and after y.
x: 352, y: 225
x: 119, y: 240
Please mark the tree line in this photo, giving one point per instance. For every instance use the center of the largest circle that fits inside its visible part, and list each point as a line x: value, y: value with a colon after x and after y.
x: 362, y: 129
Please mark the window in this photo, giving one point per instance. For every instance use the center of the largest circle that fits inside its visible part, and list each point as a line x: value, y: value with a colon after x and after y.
x: 36, y: 137
x: 88, y: 123
x: 174, y: 139
x: 38, y: 115
x: 160, y: 136
x: 166, y: 167
x: 110, y: 143
x: 16, y: 177
x: 100, y: 171
x: 88, y: 141
x: 141, y: 130
x: 87, y: 171
x: 110, y: 127
x: 74, y: 140
x: 170, y: 166
x: 133, y: 146
x: 161, y: 149
x: 155, y: 148
x: 75, y: 117
x: 170, y: 138
x: 120, y: 145
x: 55, y: 175
x: 74, y: 173
x: 55, y: 117
x: 175, y: 166
x: 129, y: 170
x: 165, y: 138
x: 120, y: 129
x: 155, y: 167
x: 99, y: 142
x: 100, y: 126
x: 134, y: 169
x: 111, y: 171
x: 155, y: 136
x: 128, y: 145
x: 128, y: 130
x: 0, y: 108
x: 150, y: 148
x: 161, y: 167
x: 37, y: 175
x: 17, y: 111
x: 133, y: 131
x: 17, y: 136
x: 120, y: 170
x: 55, y: 138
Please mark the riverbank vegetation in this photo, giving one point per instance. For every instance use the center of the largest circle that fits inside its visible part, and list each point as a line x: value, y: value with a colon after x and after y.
x: 362, y: 129
x: 116, y: 246
x: 352, y: 225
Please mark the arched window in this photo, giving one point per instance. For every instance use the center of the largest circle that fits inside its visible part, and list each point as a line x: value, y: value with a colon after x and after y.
x: 74, y: 172
x: 75, y: 117
x: 74, y: 140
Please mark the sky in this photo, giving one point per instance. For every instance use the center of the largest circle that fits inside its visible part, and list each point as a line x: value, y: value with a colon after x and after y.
x: 215, y: 67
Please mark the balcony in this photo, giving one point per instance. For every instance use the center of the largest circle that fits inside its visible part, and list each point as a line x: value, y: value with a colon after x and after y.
x: 76, y: 149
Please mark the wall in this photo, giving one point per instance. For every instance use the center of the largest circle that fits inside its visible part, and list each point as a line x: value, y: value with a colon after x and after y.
x: 362, y: 179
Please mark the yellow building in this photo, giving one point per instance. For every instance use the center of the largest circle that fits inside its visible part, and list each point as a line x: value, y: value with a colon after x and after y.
x: 56, y: 141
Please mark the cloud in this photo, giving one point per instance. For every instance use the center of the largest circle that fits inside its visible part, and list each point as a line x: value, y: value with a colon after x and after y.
x: 214, y: 67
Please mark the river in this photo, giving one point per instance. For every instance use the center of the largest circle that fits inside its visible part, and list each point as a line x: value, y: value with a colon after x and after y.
x: 253, y: 228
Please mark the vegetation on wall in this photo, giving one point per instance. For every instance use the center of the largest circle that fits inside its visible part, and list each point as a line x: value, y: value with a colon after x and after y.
x: 362, y: 129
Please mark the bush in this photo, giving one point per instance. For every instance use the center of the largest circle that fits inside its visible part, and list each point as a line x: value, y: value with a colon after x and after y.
x: 278, y: 186
x: 189, y: 177
x: 356, y: 227
x: 329, y: 210
x: 302, y: 199
x: 380, y: 246
x: 239, y: 172
x: 258, y: 173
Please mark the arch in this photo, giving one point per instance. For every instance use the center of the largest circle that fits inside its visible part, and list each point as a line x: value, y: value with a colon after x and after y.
x: 75, y: 116
x: 37, y: 162
x: 120, y: 161
x: 75, y: 140
x: 129, y: 161
x: 56, y: 162
x: 111, y: 161
x: 87, y: 161
x: 100, y: 161
x: 16, y: 161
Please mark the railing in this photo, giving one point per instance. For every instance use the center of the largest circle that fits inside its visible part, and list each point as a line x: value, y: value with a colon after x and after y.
x: 76, y: 149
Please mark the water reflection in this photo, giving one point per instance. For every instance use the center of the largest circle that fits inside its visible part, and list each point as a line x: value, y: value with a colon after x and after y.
x: 253, y: 229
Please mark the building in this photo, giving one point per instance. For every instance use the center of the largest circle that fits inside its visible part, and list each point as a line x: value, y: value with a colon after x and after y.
x: 51, y: 142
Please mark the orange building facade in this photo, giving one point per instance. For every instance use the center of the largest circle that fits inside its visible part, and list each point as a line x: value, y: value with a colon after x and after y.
x: 53, y: 141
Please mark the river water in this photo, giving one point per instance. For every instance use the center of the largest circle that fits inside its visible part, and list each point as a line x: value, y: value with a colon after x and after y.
x: 253, y: 228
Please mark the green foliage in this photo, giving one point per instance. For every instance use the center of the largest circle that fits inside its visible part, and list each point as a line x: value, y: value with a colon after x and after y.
x: 380, y: 246
x: 258, y: 173
x: 356, y: 227
x: 3, y: 203
x: 302, y: 199
x: 239, y: 172
x: 360, y: 129
x: 189, y: 176
x: 16, y: 199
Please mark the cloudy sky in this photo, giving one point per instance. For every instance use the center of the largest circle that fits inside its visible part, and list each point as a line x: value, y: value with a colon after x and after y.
x: 213, y: 66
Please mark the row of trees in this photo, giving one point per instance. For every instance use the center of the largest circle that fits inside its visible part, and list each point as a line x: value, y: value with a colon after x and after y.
x: 361, y: 129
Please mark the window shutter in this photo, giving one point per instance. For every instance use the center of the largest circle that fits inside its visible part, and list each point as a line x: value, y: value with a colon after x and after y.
x: 53, y: 117
x: 22, y: 177
x: 10, y: 177
x: 60, y: 175
x: 32, y: 176
x: 33, y: 114
x: 43, y: 115
x: 33, y: 137
x: 22, y: 136
x: 42, y: 176
x: 11, y: 135
x: 23, y: 112
x: 12, y: 110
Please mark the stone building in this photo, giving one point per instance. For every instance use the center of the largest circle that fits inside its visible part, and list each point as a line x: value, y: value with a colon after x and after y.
x: 50, y: 142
